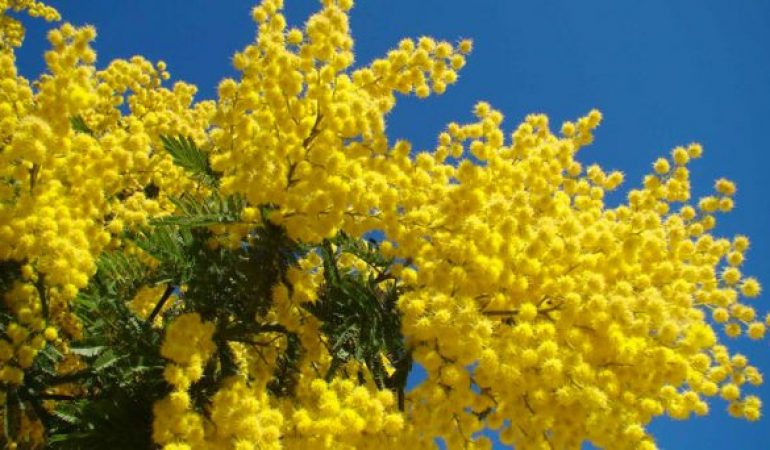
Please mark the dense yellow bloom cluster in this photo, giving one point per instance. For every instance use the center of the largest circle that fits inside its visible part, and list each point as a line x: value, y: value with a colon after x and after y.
x: 535, y: 309
x: 11, y: 30
x: 188, y: 345
x: 560, y: 304
x: 311, y: 137
x: 342, y: 415
x: 241, y: 419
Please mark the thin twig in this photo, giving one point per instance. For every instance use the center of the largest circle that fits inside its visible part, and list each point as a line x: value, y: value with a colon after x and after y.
x: 166, y: 294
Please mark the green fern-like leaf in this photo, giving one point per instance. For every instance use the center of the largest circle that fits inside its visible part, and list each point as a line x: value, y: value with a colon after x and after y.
x: 359, y: 314
x: 213, y: 210
x: 120, y: 267
x: 169, y: 245
x: 187, y: 155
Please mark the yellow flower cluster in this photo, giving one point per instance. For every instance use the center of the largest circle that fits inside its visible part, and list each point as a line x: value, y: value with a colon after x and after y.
x: 342, y: 415
x: 558, y: 303
x: 24, y: 336
x: 243, y: 419
x: 11, y: 30
x: 306, y: 138
x: 535, y: 309
x: 240, y: 419
x: 188, y: 345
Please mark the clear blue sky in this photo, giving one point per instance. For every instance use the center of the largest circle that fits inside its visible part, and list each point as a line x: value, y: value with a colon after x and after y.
x: 663, y: 73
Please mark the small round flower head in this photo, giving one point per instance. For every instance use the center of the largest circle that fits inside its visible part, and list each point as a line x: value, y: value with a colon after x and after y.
x: 661, y: 166
x: 259, y: 14
x: 51, y: 334
x: 568, y: 129
x: 733, y: 330
x: 735, y: 258
x: 695, y: 150
x: 680, y: 156
x: 426, y: 43
x: 294, y: 36
x: 720, y: 315
x: 527, y: 312
x: 465, y: 46
x: 756, y: 330
x: 457, y: 62
x: 730, y: 392
x: 751, y: 287
x: 741, y: 243
x: 731, y: 275
x: 481, y: 109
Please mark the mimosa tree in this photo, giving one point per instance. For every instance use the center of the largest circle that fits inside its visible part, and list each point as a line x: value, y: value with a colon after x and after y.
x: 265, y: 270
